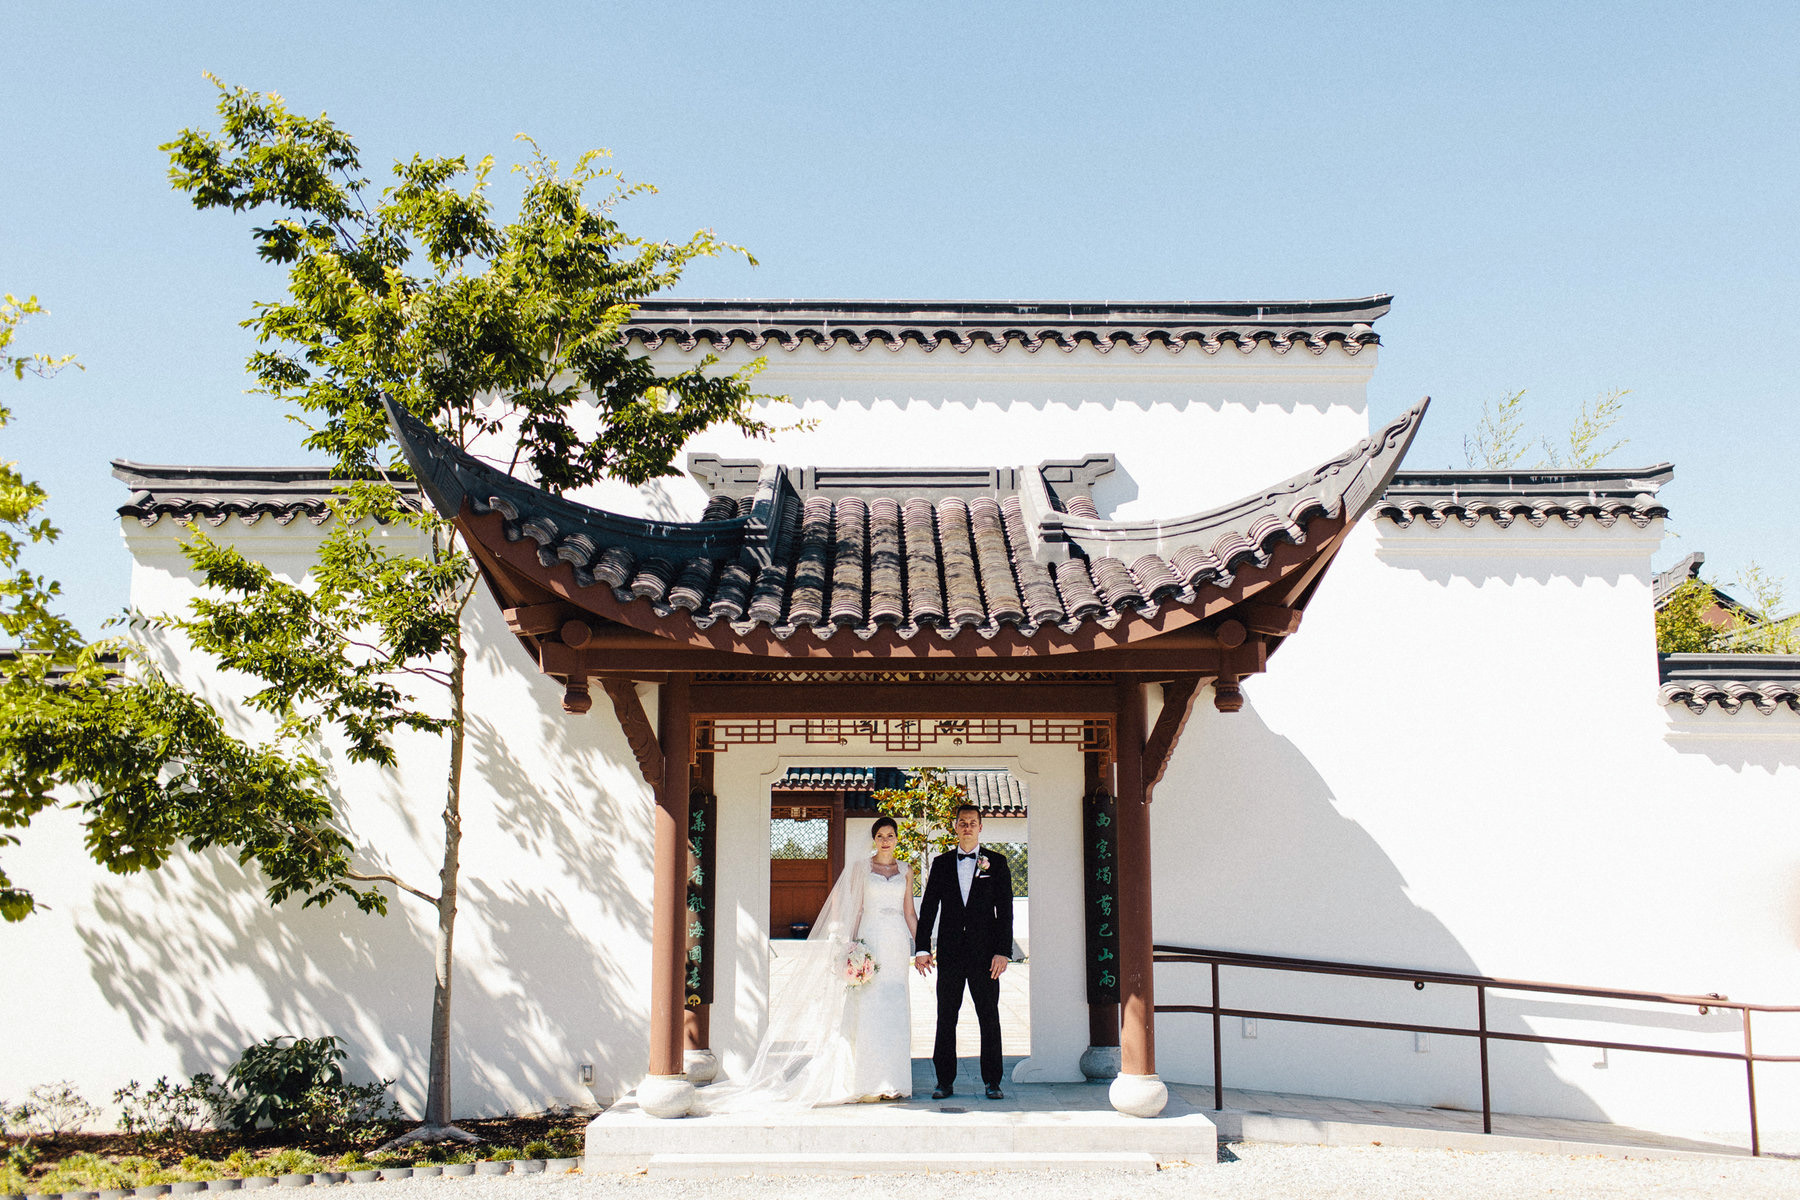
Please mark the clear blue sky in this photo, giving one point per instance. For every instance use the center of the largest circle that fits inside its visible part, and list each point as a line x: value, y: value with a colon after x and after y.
x: 1563, y: 198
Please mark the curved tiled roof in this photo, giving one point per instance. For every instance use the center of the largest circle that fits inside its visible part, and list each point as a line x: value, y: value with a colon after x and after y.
x: 1537, y: 497
x: 995, y: 792
x: 1764, y: 682
x: 1013, y: 557
x: 215, y: 494
x: 1030, y: 325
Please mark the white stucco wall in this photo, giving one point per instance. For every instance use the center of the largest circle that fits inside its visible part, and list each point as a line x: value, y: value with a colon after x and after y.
x: 1459, y: 763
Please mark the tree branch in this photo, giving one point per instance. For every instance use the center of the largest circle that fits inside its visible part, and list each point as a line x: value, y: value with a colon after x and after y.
x: 360, y: 877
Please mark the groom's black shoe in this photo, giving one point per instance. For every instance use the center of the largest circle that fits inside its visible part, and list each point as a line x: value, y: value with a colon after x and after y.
x: 942, y: 1092
x: 994, y: 1092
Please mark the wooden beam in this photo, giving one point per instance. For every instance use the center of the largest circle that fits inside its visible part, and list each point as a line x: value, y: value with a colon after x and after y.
x: 636, y: 724
x: 1178, y: 702
x: 902, y: 699
x: 597, y: 657
x: 1276, y: 620
x: 535, y: 620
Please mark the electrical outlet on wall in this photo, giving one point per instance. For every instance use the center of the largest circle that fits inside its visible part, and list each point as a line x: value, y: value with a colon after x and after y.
x: 587, y: 1074
x: 1249, y: 1027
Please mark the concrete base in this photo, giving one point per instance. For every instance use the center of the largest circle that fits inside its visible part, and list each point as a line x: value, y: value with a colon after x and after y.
x: 664, y: 1096
x: 732, y: 1166
x: 1035, y: 1121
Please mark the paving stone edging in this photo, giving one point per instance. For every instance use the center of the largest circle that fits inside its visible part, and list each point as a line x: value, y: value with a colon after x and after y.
x: 492, y: 1166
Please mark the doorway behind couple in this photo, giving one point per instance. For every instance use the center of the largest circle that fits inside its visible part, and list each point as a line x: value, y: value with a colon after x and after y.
x: 819, y: 817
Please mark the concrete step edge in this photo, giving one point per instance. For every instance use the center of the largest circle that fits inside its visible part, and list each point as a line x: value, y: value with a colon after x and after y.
x: 673, y: 1166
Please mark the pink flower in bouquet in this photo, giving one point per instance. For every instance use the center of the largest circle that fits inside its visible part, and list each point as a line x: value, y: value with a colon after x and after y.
x: 859, y: 965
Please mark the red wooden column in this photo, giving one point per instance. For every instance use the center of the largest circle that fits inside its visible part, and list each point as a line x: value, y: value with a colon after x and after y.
x: 666, y: 1092
x: 1136, y: 1091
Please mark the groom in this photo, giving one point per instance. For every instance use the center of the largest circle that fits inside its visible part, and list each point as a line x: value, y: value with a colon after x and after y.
x: 972, y: 889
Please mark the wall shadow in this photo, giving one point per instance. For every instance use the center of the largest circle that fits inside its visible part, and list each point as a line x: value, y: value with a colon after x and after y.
x: 1254, y: 855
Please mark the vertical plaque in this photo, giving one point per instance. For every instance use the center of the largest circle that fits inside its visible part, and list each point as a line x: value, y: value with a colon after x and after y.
x: 703, y: 842
x: 1100, y: 859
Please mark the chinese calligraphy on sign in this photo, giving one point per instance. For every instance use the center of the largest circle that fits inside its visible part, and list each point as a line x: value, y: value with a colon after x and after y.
x: 1099, y: 822
x: 703, y: 813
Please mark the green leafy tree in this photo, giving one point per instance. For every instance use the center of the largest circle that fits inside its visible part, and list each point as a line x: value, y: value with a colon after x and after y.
x: 1764, y: 629
x: 493, y: 333
x: 1681, y: 624
x: 149, y: 767
x: 1500, y: 442
x: 925, y: 811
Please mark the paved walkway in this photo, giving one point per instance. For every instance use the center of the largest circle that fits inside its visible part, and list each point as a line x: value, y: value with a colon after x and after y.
x: 1323, y: 1120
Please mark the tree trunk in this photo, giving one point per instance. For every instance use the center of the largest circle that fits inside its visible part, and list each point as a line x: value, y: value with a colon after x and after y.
x: 437, y: 1092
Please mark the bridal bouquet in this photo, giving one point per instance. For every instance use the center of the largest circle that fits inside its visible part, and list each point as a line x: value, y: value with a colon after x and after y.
x: 859, y: 965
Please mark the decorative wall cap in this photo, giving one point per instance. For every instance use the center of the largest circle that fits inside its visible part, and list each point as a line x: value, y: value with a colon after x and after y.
x: 215, y: 494
x: 1603, y: 495
x: 1022, y: 556
x: 996, y: 325
x: 1766, y: 682
x: 997, y: 793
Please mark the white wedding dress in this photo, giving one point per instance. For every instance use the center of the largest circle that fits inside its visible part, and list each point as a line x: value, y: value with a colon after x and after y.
x: 883, y: 1005
x: 827, y: 1042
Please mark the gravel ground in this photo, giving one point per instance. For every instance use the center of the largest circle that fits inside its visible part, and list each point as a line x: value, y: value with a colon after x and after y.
x: 1246, y: 1172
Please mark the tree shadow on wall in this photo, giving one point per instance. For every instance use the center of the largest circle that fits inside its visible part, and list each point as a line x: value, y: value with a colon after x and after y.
x: 1253, y: 855
x: 193, y: 956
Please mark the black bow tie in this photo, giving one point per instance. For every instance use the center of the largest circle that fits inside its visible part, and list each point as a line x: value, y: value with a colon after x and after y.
x: 960, y: 855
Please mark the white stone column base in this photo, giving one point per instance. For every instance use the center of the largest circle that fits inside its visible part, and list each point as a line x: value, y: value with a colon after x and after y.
x: 1100, y: 1062
x: 665, y: 1095
x: 702, y: 1066
x: 1138, y: 1095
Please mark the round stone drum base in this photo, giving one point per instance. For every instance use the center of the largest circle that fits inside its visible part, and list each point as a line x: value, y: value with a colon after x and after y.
x: 1138, y: 1095
x: 702, y: 1066
x: 665, y: 1095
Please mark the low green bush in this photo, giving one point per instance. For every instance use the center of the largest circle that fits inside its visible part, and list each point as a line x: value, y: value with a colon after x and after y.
x: 195, y: 1167
x: 540, y: 1149
x: 238, y: 1163
x: 505, y: 1154
x: 166, y: 1111
x: 290, y: 1162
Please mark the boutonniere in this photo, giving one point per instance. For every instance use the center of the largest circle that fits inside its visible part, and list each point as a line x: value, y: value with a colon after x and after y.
x: 981, y: 866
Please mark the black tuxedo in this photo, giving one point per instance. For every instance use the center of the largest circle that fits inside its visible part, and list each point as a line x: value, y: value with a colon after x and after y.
x: 969, y: 935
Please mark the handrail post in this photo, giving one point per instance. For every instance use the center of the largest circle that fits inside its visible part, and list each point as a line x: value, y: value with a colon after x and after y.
x: 1218, y: 1047
x: 1750, y: 1081
x: 1487, y: 1104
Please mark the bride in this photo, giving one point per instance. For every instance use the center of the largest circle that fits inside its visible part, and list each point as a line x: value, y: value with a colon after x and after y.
x: 829, y: 1041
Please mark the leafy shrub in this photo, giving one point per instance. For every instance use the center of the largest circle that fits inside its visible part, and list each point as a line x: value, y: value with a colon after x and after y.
x: 195, y: 1167
x: 566, y: 1145
x: 352, y: 1161
x: 505, y: 1154
x: 350, y: 1107
x: 291, y: 1162
x: 239, y: 1162
x: 540, y: 1149
x: 273, y: 1079
x: 170, y: 1110
x: 392, y: 1158
x: 53, y: 1109
x: 13, y: 1181
x: 83, y: 1172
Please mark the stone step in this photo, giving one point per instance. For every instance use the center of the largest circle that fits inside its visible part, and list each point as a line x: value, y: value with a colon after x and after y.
x: 730, y: 1166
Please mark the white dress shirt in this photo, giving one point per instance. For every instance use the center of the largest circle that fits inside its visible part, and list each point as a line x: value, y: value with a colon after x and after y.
x: 965, y: 871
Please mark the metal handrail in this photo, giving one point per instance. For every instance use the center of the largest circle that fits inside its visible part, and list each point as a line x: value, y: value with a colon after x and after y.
x: 1483, y: 1035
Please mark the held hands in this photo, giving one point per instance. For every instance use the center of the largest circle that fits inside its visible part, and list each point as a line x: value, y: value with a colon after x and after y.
x: 998, y: 967
x: 923, y: 963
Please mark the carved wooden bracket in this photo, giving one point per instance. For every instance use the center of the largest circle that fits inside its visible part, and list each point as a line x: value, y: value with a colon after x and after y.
x: 636, y: 724
x: 1228, y: 697
x: 1178, y: 702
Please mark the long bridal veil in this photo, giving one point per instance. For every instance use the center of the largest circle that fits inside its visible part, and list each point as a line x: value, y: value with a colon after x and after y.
x: 807, y: 1053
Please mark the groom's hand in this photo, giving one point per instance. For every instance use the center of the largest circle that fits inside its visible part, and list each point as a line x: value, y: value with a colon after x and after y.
x: 998, y: 967
x: 923, y: 963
